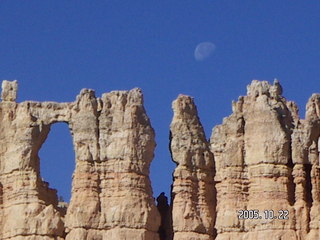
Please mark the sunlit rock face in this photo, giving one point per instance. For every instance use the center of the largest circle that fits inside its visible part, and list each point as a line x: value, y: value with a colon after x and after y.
x: 262, y: 162
x: 306, y: 157
x: 111, y: 190
x: 267, y: 159
x: 193, y: 195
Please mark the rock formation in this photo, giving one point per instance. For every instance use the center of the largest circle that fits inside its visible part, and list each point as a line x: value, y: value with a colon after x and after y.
x: 306, y: 157
x: 28, y: 205
x: 262, y: 162
x: 111, y: 190
x: 193, y: 199
x: 267, y: 160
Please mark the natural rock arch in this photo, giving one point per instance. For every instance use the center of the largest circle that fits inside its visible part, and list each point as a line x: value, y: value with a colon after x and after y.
x: 111, y: 176
x: 57, y: 161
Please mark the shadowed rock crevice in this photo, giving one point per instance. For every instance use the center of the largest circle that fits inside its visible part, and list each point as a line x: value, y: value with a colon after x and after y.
x: 291, y: 185
x: 165, y: 229
x: 308, y: 187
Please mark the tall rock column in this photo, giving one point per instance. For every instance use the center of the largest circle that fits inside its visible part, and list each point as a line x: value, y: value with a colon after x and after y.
x: 127, y: 145
x: 306, y: 157
x: 313, y: 118
x: 111, y: 193
x: 252, y: 150
x: 231, y: 178
x: 193, y: 192
x: 83, y: 213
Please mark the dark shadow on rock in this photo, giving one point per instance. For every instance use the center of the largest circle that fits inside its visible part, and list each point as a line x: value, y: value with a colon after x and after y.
x: 165, y: 229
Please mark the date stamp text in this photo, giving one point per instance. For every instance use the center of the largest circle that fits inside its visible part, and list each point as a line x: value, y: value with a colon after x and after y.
x: 266, y: 214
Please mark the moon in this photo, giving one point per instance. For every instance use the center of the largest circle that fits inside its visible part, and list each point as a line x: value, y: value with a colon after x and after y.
x: 204, y: 50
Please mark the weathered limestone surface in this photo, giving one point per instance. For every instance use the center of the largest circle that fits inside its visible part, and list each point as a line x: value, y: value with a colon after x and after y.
x: 193, y: 199
x: 267, y: 159
x: 111, y: 190
x: 28, y: 205
x: 262, y: 157
x: 114, y: 145
x: 305, y: 155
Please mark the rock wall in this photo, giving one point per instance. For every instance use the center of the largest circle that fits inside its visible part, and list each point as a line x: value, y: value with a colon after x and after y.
x: 262, y: 162
x: 111, y: 190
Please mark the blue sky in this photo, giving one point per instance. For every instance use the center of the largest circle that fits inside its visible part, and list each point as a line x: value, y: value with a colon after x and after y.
x: 56, y: 48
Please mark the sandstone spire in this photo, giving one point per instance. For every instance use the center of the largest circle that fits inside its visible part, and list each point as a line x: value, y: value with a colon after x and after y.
x: 263, y: 163
x: 193, y: 199
x: 305, y: 156
x: 253, y: 165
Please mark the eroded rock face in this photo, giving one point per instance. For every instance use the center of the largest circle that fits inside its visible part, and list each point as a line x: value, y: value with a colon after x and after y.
x: 306, y: 157
x: 111, y: 190
x: 9, y: 91
x: 193, y: 199
x: 28, y: 205
x: 262, y: 157
x: 266, y: 160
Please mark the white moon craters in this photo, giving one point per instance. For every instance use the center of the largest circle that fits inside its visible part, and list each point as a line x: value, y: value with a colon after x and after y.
x: 204, y: 50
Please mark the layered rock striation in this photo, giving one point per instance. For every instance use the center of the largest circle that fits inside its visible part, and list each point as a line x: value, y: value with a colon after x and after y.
x: 111, y: 190
x: 28, y: 205
x: 306, y: 172
x: 193, y: 192
x: 267, y: 160
x: 257, y: 178
x: 114, y: 145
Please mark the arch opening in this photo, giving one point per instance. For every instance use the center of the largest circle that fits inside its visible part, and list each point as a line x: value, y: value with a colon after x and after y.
x: 57, y: 161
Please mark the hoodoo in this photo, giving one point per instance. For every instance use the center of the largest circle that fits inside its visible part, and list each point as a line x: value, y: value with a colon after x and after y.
x: 193, y: 193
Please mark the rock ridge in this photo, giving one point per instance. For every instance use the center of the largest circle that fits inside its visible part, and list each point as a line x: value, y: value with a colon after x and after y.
x: 262, y: 161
